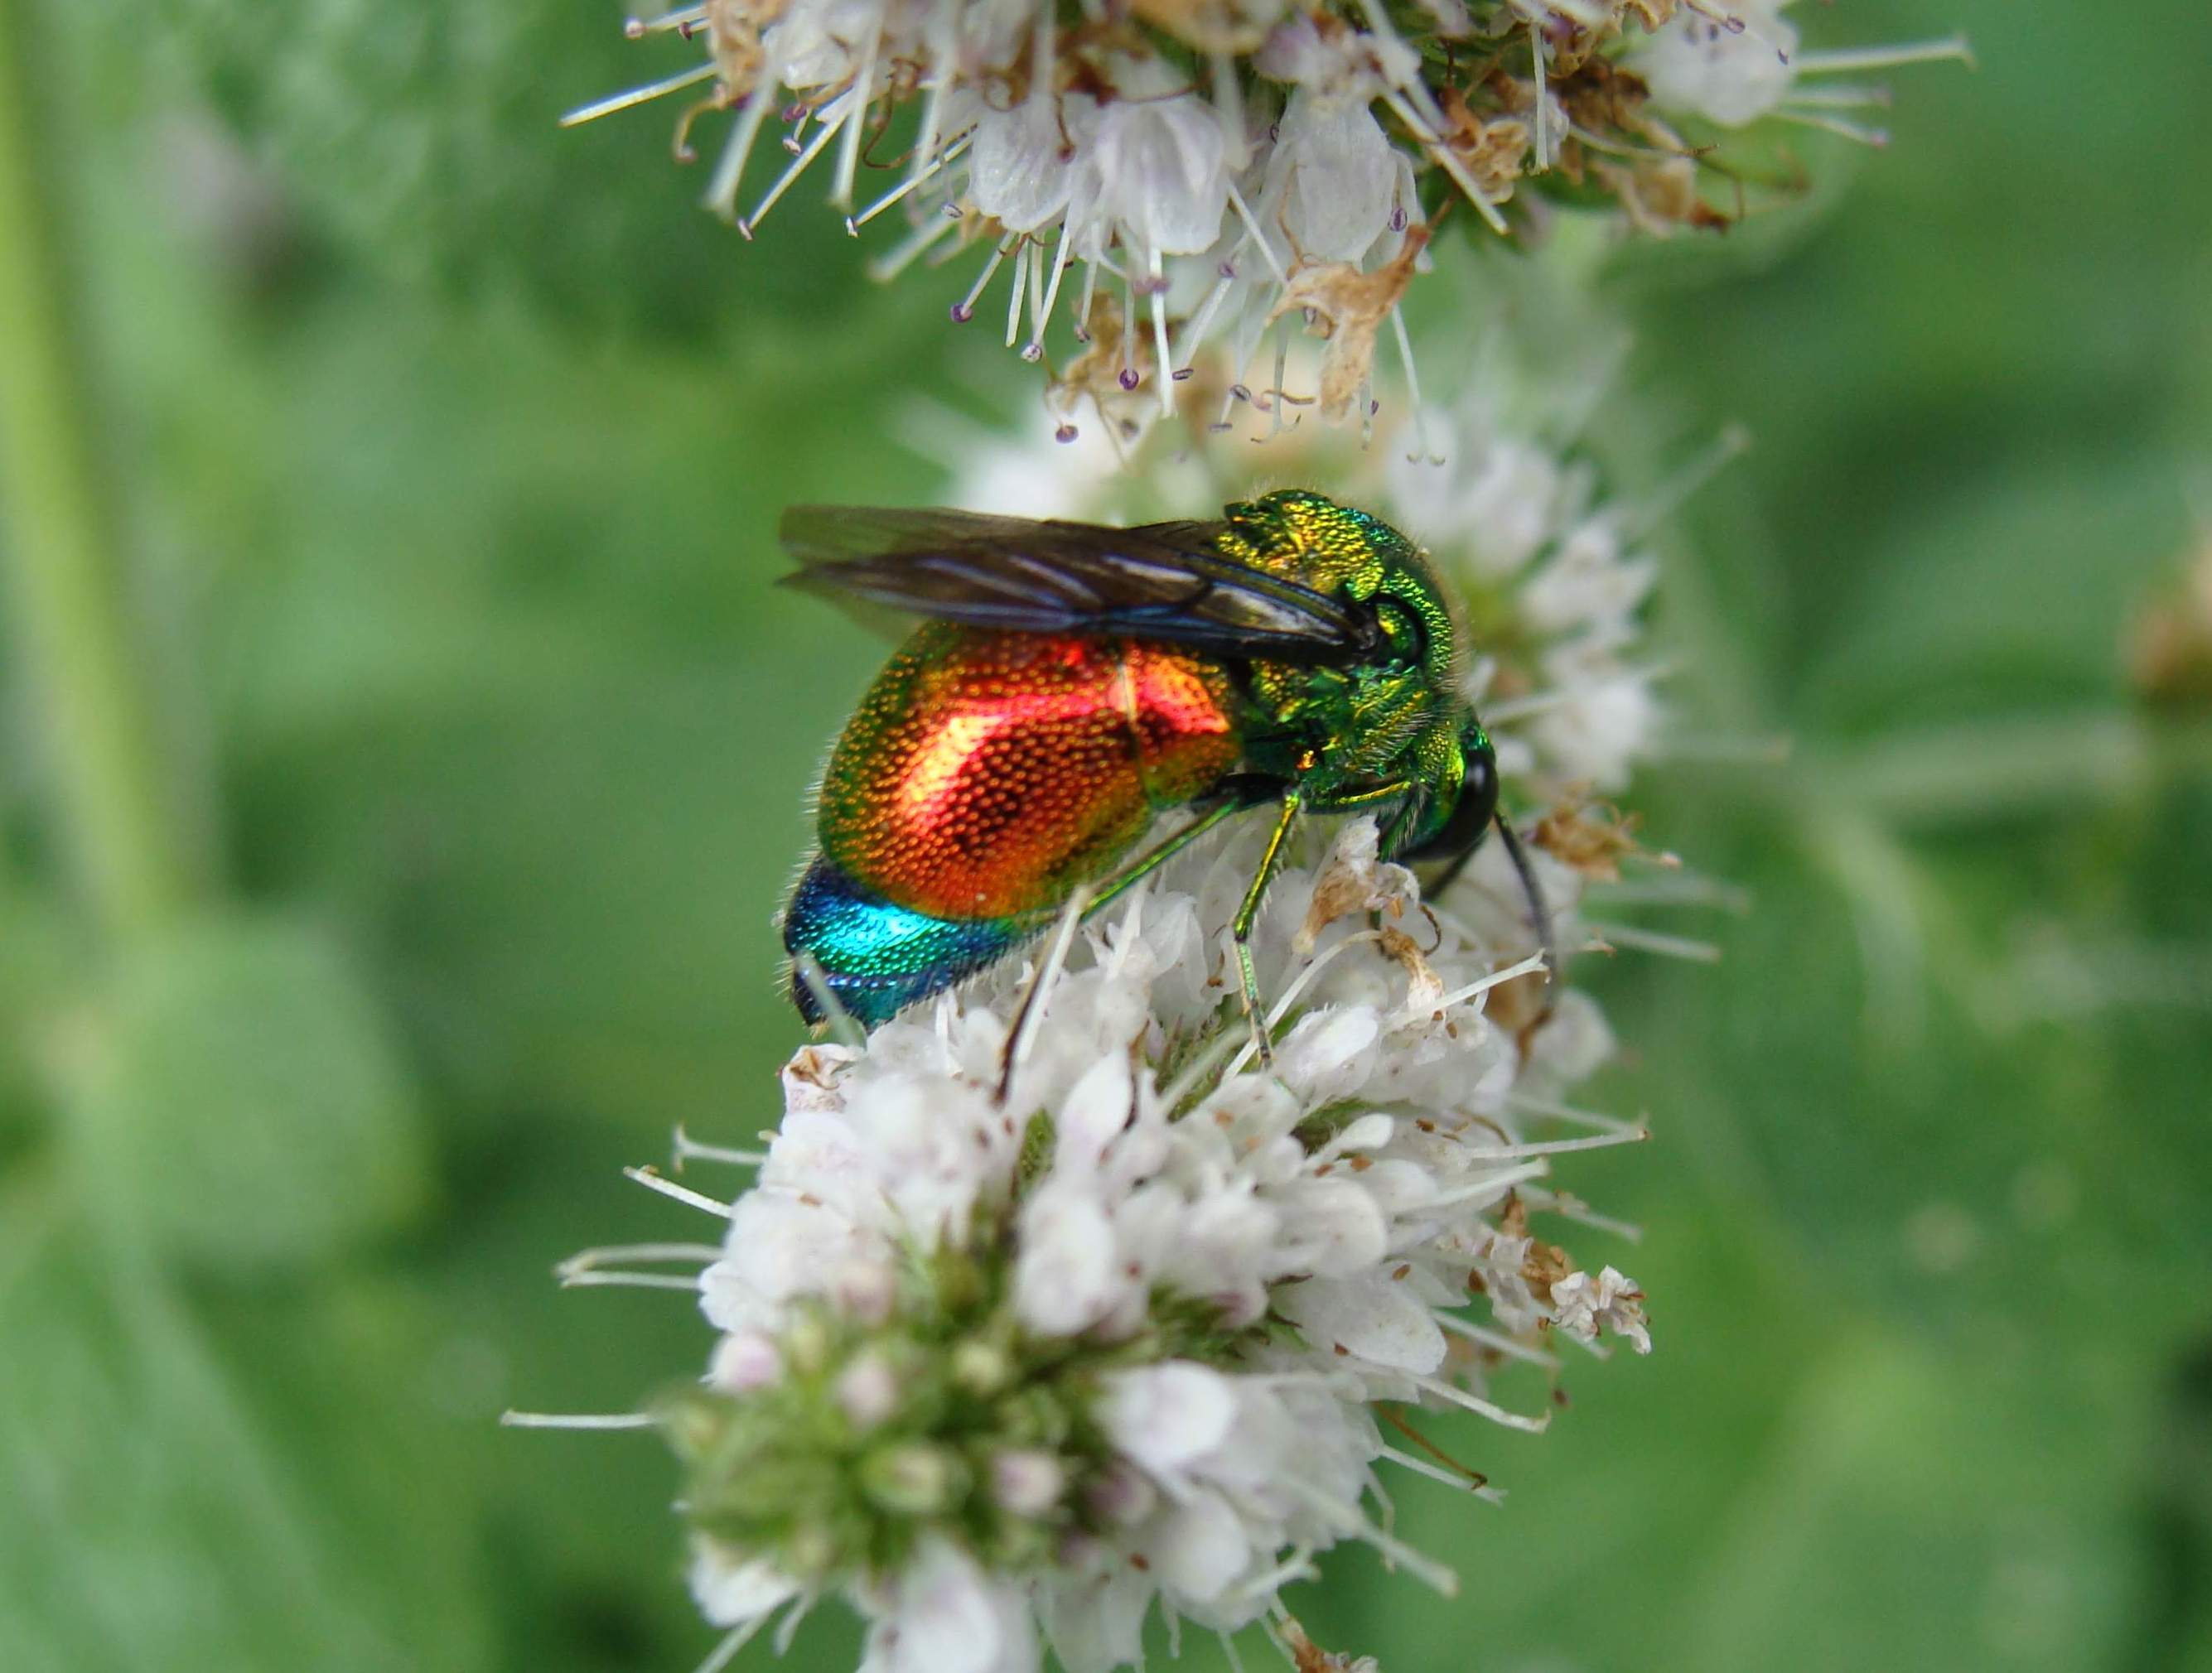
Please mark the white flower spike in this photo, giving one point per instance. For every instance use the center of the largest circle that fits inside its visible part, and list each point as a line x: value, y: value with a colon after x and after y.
x: 1210, y: 167
x: 1006, y: 1373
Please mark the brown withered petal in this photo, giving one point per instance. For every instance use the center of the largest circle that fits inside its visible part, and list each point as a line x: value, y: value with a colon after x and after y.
x: 1350, y: 308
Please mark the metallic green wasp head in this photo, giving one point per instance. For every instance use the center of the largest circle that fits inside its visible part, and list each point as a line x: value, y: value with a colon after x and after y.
x: 1399, y: 712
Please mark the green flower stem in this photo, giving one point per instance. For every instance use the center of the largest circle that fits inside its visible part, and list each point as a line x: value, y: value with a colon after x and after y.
x: 70, y: 600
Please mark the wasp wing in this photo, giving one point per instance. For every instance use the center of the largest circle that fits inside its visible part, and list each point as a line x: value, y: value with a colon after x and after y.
x: 1161, y: 581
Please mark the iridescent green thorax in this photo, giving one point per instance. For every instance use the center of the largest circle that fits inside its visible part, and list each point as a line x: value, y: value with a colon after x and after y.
x: 1306, y: 538
x: 1402, y: 713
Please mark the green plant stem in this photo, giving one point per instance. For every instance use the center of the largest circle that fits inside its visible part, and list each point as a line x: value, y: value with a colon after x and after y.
x: 70, y: 600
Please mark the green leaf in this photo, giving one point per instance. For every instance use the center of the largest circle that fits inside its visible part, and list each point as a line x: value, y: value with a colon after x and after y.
x: 242, y: 1100
x: 176, y: 1504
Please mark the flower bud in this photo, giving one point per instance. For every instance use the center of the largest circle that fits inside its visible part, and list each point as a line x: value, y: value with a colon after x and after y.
x: 1027, y: 1483
x: 914, y: 1479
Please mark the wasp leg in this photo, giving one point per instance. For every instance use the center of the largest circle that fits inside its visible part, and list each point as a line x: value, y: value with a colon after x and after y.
x: 1247, y: 914
x: 1352, y: 801
x: 1539, y: 910
x: 1294, y: 802
x: 1237, y: 799
x: 1399, y: 790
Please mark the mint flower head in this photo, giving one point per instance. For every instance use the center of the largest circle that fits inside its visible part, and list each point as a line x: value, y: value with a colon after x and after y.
x: 1047, y: 1311
x: 1126, y: 184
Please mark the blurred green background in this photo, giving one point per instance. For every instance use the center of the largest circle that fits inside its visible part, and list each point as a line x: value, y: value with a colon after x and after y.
x: 445, y: 451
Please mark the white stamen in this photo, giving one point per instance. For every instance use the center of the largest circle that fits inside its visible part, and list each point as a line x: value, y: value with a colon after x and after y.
x: 1839, y: 98
x: 730, y: 170
x: 1637, y: 940
x: 920, y: 177
x: 1533, y: 963
x: 862, y: 95
x: 1857, y: 132
x: 1847, y: 59
x: 1129, y: 327
x: 1543, y: 702
x: 1082, y: 306
x: 1445, y: 157
x: 1560, y: 1147
x: 1482, y: 1408
x: 651, y: 1180
x: 1422, y: 450
x: 639, y: 95
x: 1060, y: 265
x: 1493, y: 1185
x: 1203, y: 1065
x: 798, y: 167
x: 1574, y: 1209
x: 1424, y: 1568
x: 1731, y: 444
x: 1193, y: 336
x: 916, y: 243
x: 1298, y: 1565
x: 1436, y: 1472
x: 638, y: 27
x: 586, y: 1260
x: 630, y: 1281
x: 551, y: 1420
x: 1378, y: 23
x: 688, y: 1148
x: 843, y: 1027
x: 925, y: 146
x: 1259, y: 236
x: 1017, y: 292
x: 800, y: 1608
x: 1493, y: 1339
x: 983, y: 279
x: 737, y: 1638
x: 1034, y: 348
x: 1160, y: 362
x: 1240, y: 385
x: 1552, y: 1111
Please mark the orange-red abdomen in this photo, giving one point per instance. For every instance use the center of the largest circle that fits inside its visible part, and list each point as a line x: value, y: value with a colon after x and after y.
x: 985, y: 774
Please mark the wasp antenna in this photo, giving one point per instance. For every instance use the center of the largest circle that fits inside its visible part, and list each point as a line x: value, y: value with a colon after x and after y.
x: 1539, y: 910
